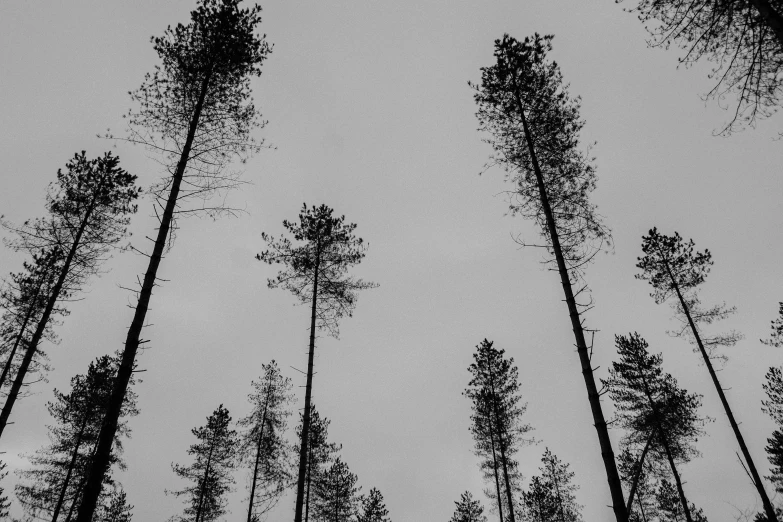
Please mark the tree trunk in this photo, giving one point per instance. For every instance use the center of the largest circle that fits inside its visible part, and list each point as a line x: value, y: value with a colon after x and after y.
x: 109, y: 428
x: 638, y: 473
x: 768, y: 509
x: 501, y: 446
x: 773, y: 19
x: 308, y: 395
x: 309, y: 484
x: 495, y: 470
x: 258, y: 456
x: 13, y: 393
x: 684, y: 501
x: 204, y: 482
x: 64, y: 488
x: 28, y: 315
x: 613, y: 477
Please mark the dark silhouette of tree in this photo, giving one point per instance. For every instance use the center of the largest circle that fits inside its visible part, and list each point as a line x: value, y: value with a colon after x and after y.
x: 263, y: 447
x: 89, y: 208
x: 671, y: 509
x: 54, y: 482
x: 742, y: 38
x: 320, y: 452
x: 550, y: 497
x: 316, y: 272
x: 5, y: 504
x: 468, y: 510
x: 336, y: 496
x: 675, y: 272
x: 653, y: 410
x: 773, y: 407
x: 211, y: 471
x: 196, y: 110
x: 639, y: 474
x: 534, y: 128
x: 496, y: 422
x: 117, y: 508
x: 372, y: 508
x: 776, y: 336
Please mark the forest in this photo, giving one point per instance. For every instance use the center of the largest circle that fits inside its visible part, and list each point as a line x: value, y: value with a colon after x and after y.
x: 413, y: 261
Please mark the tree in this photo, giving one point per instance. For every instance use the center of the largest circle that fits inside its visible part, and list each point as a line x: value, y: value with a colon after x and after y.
x: 639, y: 474
x: 742, y: 38
x: 534, y: 128
x: 652, y: 408
x: 211, y: 472
x: 336, y: 496
x: 670, y: 508
x: 776, y: 337
x: 675, y: 271
x: 773, y: 407
x: 320, y: 452
x: 5, y: 504
x: 89, y: 209
x: 550, y: 497
x: 373, y: 508
x: 496, y: 422
x: 55, y: 480
x: 117, y: 509
x: 262, y: 445
x: 196, y: 110
x: 468, y: 510
x: 316, y: 272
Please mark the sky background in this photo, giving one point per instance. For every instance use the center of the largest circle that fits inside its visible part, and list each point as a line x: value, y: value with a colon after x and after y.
x: 370, y: 113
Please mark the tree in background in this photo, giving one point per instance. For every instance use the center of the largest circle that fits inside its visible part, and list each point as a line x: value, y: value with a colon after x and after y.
x: 320, y: 452
x: 263, y: 447
x: 671, y: 509
x: 776, y: 336
x: 316, y: 272
x: 211, y: 471
x: 336, y: 496
x: 773, y: 407
x: 743, y: 40
x: 372, y: 508
x: 468, y: 510
x: 675, y: 271
x: 550, y: 497
x: 89, y: 209
x: 496, y: 422
x: 5, y: 504
x: 533, y: 126
x: 55, y: 480
x: 196, y: 110
x: 117, y: 508
x: 653, y: 410
x: 639, y: 473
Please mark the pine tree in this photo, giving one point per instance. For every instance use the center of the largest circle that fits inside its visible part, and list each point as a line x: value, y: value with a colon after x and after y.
x: 5, y: 504
x: 534, y: 125
x: 89, y: 209
x: 54, y: 482
x: 550, y: 497
x: 468, y: 510
x: 320, y: 453
x: 211, y: 471
x: 117, y: 508
x: 773, y: 407
x: 776, y: 337
x: 263, y: 447
x: 196, y: 110
x: 336, y: 495
x: 671, y: 509
x: 316, y: 273
x: 653, y: 409
x: 496, y: 422
x: 742, y: 38
x: 675, y: 271
x: 373, y: 509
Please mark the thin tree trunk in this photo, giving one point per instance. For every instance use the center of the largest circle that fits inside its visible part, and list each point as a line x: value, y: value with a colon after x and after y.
x: 768, y: 509
x: 258, y: 456
x: 684, y: 501
x: 501, y: 445
x: 309, y: 484
x: 613, y: 477
x: 67, y: 480
x: 82, y: 482
x: 109, y: 428
x: 32, y: 347
x: 638, y: 472
x: 28, y: 315
x: 773, y: 19
x: 495, y: 470
x: 641, y: 509
x: 308, y: 395
x: 204, y: 482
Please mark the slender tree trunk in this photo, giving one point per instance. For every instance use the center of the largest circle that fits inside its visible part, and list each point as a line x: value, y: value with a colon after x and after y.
x: 18, y: 340
x: 258, y: 456
x: 768, y: 509
x: 638, y: 472
x: 109, y: 428
x: 510, y: 500
x: 495, y: 470
x: 32, y: 347
x: 71, y: 465
x: 308, y: 394
x: 204, y: 482
x: 309, y: 484
x: 613, y: 477
x: 773, y: 19
x: 641, y: 510
x: 684, y: 501
x: 82, y: 482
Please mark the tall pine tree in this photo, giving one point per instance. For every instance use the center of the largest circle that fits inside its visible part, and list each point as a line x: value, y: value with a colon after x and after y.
x: 468, y: 510
x: 372, y: 508
x: 336, y: 496
x: 550, y: 496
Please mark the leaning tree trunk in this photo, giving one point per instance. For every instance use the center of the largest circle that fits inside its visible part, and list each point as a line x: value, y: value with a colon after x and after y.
x: 613, y: 477
x: 71, y: 465
x: 28, y: 315
x: 638, y: 472
x: 200, y: 506
x: 308, y: 394
x: 32, y: 347
x: 768, y: 509
x: 677, y: 481
x: 109, y: 428
x: 495, y: 471
x: 258, y: 457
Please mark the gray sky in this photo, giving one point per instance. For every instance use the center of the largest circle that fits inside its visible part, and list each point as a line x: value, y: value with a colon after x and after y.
x: 370, y: 113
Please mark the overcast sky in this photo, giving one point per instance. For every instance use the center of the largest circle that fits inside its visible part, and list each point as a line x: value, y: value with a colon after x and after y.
x: 370, y: 113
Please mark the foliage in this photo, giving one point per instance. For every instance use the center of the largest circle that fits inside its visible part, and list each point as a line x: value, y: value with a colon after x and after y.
x: 117, y: 508
x: 336, y: 495
x: 669, y: 506
x: 551, y: 496
x: 372, y: 509
x: 468, y: 510
x: 776, y: 337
